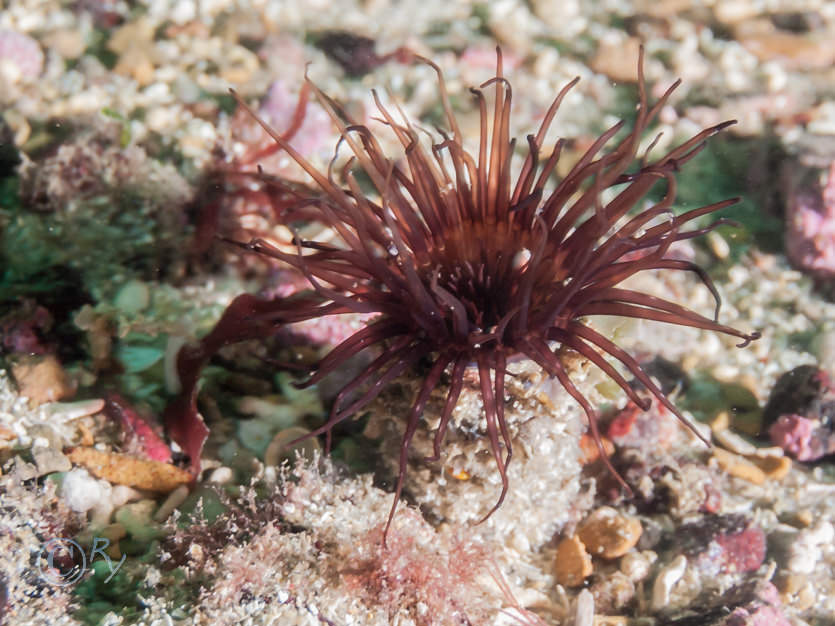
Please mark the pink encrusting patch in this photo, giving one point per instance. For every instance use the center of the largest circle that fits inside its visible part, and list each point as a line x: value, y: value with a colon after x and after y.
x: 796, y: 435
x: 140, y: 436
x: 810, y: 239
x: 21, y: 53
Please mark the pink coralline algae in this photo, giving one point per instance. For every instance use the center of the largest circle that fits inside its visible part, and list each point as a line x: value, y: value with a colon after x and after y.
x: 803, y: 438
x: 634, y: 427
x: 810, y: 239
x: 21, y: 57
x: 140, y: 437
x: 763, y: 611
x: 800, y: 413
x: 758, y: 616
x: 279, y: 107
x: 723, y: 544
x: 324, y: 331
x: 743, y: 551
x: 22, y: 330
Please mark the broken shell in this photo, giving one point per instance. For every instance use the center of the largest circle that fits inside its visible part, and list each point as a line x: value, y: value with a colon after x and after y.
x: 666, y: 580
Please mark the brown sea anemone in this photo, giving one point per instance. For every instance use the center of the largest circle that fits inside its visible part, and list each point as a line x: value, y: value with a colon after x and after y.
x: 467, y: 265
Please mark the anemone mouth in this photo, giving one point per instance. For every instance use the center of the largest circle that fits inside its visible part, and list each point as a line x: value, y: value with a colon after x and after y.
x: 465, y: 265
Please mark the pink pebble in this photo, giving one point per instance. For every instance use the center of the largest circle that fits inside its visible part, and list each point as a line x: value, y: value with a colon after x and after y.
x: 796, y: 435
x: 743, y: 551
x: 759, y: 616
x: 314, y: 135
x: 22, y: 52
x: 810, y: 238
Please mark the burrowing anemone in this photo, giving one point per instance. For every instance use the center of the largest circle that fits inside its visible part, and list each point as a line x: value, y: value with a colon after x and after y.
x: 468, y: 265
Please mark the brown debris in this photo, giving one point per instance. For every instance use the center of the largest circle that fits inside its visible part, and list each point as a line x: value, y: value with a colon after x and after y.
x: 122, y: 469
x: 42, y: 379
x: 739, y: 466
x: 590, y: 451
x: 774, y: 467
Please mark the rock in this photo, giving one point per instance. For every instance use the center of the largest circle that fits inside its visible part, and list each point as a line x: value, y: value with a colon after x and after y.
x: 42, y: 379
x: 572, y: 564
x: 82, y: 492
x: 608, y: 534
x: 723, y: 544
x: 50, y: 460
x: 797, y: 391
x: 22, y: 471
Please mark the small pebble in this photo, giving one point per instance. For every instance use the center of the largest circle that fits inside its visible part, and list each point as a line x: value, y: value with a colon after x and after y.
x: 789, y: 583
x: 134, y: 297
x: 49, y: 460
x: 637, y: 565
x: 739, y: 466
x: 122, y: 494
x: 277, y: 450
x: 720, y: 422
x: 666, y: 580
x: 21, y: 57
x: 23, y: 471
x: 82, y: 492
x: 718, y: 245
x: 67, y: 411
x: 137, y: 520
x: 774, y: 467
x: 584, y: 613
x: 222, y: 476
x: 735, y: 443
x: 42, y: 379
x: 572, y: 563
x: 174, y: 499
x: 608, y: 534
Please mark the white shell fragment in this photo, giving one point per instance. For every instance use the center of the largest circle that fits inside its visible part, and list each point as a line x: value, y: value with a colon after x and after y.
x: 666, y: 580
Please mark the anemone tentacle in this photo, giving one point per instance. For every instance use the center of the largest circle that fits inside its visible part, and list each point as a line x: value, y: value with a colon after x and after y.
x: 463, y: 265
